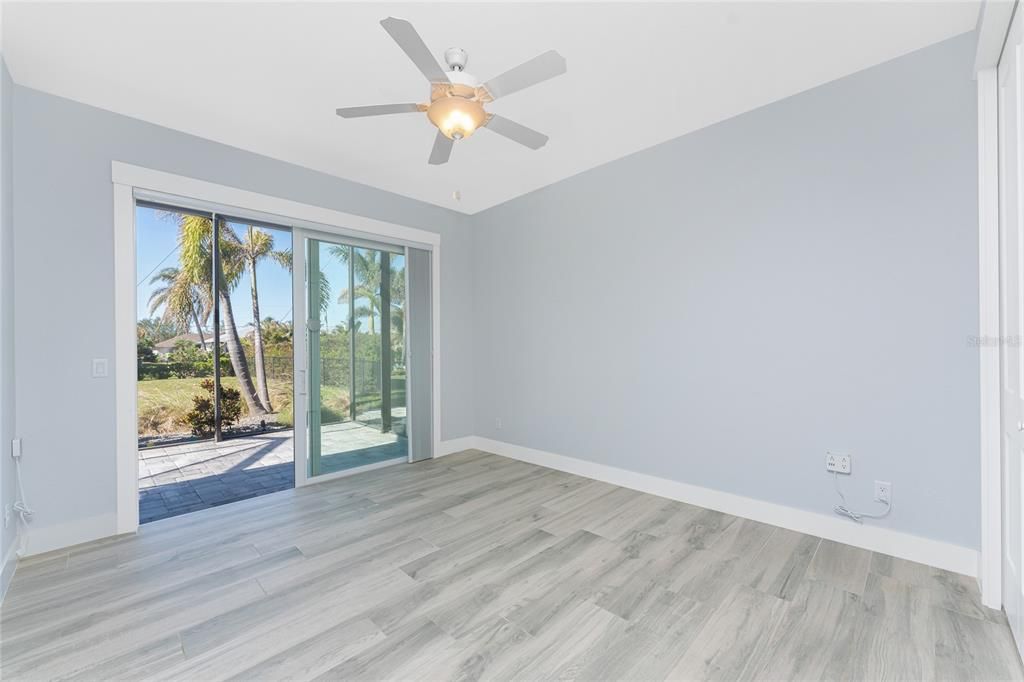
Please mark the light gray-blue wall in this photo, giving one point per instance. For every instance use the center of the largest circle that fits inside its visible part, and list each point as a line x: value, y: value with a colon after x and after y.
x: 7, y: 402
x: 720, y: 309
x: 723, y: 308
x: 64, y: 287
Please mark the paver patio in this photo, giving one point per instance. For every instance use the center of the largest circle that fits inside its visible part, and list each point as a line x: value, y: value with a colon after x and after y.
x: 184, y: 478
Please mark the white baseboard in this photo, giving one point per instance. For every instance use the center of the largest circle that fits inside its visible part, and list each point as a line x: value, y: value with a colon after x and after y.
x: 9, y: 566
x: 944, y: 555
x: 48, y: 538
x: 454, y: 445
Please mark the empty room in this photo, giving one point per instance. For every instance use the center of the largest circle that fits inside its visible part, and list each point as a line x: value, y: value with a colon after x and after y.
x: 512, y: 341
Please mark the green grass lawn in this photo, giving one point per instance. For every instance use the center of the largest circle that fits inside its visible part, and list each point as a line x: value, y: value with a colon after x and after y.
x: 163, y: 403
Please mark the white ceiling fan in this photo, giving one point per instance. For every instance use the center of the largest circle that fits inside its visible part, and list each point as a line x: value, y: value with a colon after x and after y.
x: 456, y: 99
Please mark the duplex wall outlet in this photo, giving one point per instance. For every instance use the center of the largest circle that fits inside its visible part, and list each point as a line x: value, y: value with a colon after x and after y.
x: 883, y: 492
x: 840, y: 464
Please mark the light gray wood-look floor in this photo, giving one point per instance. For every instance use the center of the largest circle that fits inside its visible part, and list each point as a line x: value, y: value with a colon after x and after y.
x: 475, y: 566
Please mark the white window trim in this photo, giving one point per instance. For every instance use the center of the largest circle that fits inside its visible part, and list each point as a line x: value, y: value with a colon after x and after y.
x: 128, y: 180
x: 993, y: 25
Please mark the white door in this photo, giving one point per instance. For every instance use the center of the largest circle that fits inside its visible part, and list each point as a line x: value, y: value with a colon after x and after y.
x: 1011, y: 300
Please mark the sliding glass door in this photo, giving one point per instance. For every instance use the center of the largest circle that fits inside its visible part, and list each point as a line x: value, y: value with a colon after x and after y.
x: 269, y: 355
x: 355, y: 356
x: 214, y: 358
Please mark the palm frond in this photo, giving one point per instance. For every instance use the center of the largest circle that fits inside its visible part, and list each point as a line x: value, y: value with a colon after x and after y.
x: 339, y: 252
x: 258, y: 243
x: 282, y: 258
x: 325, y: 293
x: 194, y: 241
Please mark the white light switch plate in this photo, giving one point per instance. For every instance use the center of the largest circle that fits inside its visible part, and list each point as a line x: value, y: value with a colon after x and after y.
x: 99, y: 368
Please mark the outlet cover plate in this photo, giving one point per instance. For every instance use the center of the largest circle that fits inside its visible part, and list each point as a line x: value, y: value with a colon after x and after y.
x: 840, y: 464
x: 883, y: 491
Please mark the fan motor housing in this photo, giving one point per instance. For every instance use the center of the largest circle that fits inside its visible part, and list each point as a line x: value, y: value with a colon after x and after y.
x: 456, y: 58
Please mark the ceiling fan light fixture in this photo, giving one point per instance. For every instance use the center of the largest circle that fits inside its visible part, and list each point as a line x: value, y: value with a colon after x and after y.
x: 456, y: 117
x: 457, y: 99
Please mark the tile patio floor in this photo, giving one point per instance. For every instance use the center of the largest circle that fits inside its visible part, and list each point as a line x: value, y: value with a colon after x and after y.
x: 184, y: 478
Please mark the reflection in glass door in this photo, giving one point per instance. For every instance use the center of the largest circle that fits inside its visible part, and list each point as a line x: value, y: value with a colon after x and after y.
x: 355, y: 356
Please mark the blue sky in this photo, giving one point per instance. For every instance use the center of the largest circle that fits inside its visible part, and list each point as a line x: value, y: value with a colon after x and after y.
x: 157, y: 248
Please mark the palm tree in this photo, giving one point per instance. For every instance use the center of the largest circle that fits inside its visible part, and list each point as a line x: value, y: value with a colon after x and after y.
x: 276, y: 333
x: 366, y: 267
x: 368, y: 279
x: 195, y: 239
x: 284, y: 259
x: 252, y: 248
x: 398, y: 300
x: 183, y: 302
x: 157, y: 329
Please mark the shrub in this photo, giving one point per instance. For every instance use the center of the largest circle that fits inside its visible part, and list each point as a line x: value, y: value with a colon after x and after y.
x: 188, y: 360
x: 146, y: 352
x: 200, y: 418
x: 154, y: 370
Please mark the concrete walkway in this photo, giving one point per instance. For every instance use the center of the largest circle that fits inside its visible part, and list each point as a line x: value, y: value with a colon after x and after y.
x: 188, y: 477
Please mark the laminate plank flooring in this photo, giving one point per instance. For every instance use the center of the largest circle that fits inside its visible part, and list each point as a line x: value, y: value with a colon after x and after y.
x: 479, y: 567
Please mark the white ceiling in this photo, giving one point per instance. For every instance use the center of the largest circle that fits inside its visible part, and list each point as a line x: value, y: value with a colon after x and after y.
x: 268, y: 77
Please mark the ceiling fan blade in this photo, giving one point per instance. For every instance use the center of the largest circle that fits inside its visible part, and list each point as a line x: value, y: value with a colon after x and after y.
x: 516, y: 132
x: 409, y: 40
x: 442, y: 150
x: 378, y: 110
x: 540, y: 68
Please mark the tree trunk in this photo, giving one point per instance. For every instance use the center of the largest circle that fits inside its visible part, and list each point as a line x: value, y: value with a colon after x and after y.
x: 199, y: 328
x: 257, y: 337
x: 237, y: 356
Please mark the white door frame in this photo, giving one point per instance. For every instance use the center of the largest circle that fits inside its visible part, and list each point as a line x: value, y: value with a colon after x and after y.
x: 993, y: 26
x: 130, y: 181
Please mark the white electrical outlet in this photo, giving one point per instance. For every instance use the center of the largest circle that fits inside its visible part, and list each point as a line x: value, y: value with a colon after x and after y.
x: 497, y: 423
x: 883, y: 491
x: 837, y: 463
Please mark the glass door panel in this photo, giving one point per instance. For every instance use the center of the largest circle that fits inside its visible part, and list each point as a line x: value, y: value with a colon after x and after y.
x: 175, y: 339
x: 255, y: 327
x: 215, y: 359
x: 365, y: 294
x: 350, y: 419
